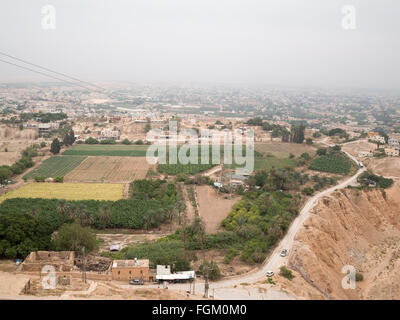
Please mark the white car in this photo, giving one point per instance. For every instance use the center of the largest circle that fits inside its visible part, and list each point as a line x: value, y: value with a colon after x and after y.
x: 284, y: 253
x: 270, y: 274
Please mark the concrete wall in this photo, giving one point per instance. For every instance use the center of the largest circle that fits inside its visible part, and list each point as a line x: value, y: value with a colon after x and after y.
x: 127, y: 274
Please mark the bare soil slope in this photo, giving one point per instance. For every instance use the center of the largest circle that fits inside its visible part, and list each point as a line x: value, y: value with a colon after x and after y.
x: 350, y: 227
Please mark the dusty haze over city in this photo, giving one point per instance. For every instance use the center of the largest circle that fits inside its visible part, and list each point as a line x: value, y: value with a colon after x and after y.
x: 105, y: 192
x: 277, y: 43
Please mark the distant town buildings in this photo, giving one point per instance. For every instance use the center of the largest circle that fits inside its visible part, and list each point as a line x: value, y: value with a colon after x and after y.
x: 374, y: 136
x: 394, y: 143
x: 392, y: 152
x: 107, y: 134
x: 45, y: 128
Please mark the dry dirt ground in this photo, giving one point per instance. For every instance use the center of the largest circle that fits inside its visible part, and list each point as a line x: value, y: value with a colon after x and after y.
x: 349, y: 227
x: 212, y: 208
x: 125, y: 240
x: 109, y: 169
x: 14, y: 141
x: 388, y: 166
x: 361, y: 145
x: 11, y: 284
x: 234, y: 268
x: 11, y: 287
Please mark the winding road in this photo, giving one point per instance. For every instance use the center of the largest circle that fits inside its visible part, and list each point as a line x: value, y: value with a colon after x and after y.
x: 229, y: 288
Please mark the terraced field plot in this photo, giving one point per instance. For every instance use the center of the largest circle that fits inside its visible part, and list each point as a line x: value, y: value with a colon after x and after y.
x: 68, y: 191
x: 57, y: 166
x: 109, y: 169
x: 107, y: 150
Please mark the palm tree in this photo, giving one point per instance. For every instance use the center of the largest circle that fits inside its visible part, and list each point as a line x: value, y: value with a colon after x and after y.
x: 150, y: 217
x: 105, y: 215
x: 198, y: 228
x: 63, y: 209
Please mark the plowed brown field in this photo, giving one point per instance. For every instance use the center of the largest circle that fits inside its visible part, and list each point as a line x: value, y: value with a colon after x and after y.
x: 109, y: 169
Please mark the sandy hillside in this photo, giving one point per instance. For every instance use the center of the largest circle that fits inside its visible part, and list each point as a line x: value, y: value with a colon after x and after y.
x: 350, y: 227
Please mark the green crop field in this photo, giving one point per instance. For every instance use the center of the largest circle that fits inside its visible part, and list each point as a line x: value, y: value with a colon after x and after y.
x: 57, y: 166
x: 271, y: 162
x: 173, y: 169
x: 267, y: 163
x: 107, y: 150
x: 334, y: 163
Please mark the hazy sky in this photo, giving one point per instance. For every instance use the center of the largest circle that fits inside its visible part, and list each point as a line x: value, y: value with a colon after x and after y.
x: 272, y: 42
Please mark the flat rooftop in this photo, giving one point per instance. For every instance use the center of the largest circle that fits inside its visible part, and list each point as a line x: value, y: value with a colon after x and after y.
x: 139, y: 263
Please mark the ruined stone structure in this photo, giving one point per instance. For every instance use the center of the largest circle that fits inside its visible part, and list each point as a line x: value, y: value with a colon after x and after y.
x: 62, y: 261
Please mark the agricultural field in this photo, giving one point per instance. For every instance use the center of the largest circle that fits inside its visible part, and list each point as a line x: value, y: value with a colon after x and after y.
x: 268, y: 163
x: 284, y: 149
x: 109, y: 169
x: 333, y: 163
x: 57, y: 166
x: 107, y: 150
x: 68, y: 191
x: 190, y: 168
x: 173, y: 169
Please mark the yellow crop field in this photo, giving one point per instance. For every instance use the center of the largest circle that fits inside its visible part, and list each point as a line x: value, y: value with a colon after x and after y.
x: 68, y: 191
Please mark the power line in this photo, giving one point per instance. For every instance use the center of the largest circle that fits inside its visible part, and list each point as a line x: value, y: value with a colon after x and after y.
x: 105, y: 91
x: 42, y: 73
x: 49, y: 70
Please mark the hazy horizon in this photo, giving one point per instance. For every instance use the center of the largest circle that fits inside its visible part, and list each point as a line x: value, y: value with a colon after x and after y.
x: 289, y: 43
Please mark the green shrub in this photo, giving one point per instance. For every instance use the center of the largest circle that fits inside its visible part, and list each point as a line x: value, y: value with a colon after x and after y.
x: 126, y: 141
x: 59, y: 179
x: 210, y: 269
x: 91, y: 140
x: 308, y: 191
x: 286, y: 273
x: 39, y: 178
x: 231, y: 255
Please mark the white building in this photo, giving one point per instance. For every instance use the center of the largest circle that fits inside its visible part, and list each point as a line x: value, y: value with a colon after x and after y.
x: 394, y: 143
x: 365, y: 154
x: 392, y: 152
x: 107, y: 134
x: 377, y: 138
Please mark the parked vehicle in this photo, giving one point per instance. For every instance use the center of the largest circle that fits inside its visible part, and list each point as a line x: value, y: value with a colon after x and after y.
x: 115, y: 247
x: 284, y: 253
x: 270, y: 274
x: 136, y: 282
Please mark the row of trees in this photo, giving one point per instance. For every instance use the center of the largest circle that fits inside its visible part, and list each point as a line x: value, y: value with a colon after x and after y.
x: 26, y: 161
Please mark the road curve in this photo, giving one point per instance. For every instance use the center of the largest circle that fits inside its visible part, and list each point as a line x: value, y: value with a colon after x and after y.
x: 226, y: 289
x: 275, y: 261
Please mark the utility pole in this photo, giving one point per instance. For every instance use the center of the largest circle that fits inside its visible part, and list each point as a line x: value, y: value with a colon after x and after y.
x: 84, y: 266
x: 206, y: 285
